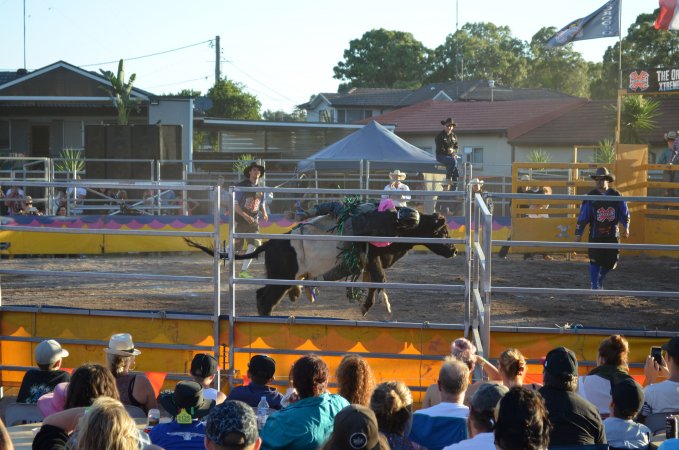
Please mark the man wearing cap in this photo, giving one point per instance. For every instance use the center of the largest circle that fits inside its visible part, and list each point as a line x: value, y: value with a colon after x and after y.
x: 204, y: 369
x: 261, y: 370
x: 603, y: 217
x: 445, y: 423
x: 622, y: 431
x: 670, y: 155
x: 355, y: 428
x: 187, y: 406
x: 663, y: 396
x: 575, y: 420
x: 446, y: 152
x: 399, y: 199
x: 481, y: 422
x: 40, y: 381
x: 247, y: 209
x: 232, y: 425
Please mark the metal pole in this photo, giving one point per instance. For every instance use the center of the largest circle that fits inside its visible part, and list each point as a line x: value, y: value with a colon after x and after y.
x: 232, y: 287
x: 468, y: 248
x: 216, y: 273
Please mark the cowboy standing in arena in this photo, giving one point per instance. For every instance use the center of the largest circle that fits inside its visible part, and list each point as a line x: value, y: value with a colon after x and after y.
x: 446, y: 152
x: 247, y: 208
x: 603, y: 217
x: 396, y: 184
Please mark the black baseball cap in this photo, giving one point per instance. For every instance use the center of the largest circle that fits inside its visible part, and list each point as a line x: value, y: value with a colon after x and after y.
x: 561, y: 363
x: 204, y: 365
x: 188, y: 395
x: 355, y: 428
x: 672, y: 347
x: 627, y: 395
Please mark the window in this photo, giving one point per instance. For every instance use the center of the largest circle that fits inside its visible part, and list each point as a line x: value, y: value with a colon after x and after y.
x: 353, y: 115
x: 474, y: 155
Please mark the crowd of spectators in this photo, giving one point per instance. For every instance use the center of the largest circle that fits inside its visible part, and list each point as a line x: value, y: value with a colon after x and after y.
x: 605, y: 407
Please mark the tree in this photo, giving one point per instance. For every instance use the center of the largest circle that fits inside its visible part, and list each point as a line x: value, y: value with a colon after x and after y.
x: 638, y: 114
x: 297, y: 115
x: 121, y: 92
x: 481, y: 51
x: 188, y: 93
x: 384, y: 58
x: 560, y: 68
x: 643, y: 47
x: 229, y: 100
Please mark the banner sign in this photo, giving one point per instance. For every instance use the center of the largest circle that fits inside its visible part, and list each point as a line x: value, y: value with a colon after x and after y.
x: 651, y: 81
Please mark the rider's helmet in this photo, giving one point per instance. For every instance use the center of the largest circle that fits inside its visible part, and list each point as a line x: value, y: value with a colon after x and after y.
x: 407, y: 218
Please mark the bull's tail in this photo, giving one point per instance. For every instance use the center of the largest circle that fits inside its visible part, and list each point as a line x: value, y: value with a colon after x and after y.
x: 225, y: 255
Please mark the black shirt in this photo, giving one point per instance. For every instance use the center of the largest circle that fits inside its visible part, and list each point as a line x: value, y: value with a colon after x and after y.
x: 38, y: 382
x: 576, y: 421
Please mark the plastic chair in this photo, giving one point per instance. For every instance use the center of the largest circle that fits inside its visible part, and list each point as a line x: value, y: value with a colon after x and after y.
x: 21, y: 413
x: 656, y: 421
x: 135, y: 412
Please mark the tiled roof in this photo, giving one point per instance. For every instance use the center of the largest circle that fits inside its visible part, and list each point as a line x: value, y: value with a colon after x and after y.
x: 593, y: 121
x: 6, y: 77
x: 508, y: 117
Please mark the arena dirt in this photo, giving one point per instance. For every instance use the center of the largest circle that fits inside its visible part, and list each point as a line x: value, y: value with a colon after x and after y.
x: 633, y: 273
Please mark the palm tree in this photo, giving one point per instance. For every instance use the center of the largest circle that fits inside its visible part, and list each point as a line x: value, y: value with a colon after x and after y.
x: 120, y: 92
x: 638, y: 115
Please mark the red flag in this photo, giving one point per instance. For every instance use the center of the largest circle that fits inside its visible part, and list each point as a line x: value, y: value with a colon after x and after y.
x: 668, y: 19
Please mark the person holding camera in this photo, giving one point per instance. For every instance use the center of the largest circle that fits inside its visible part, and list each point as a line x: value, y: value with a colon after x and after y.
x: 28, y: 209
x: 446, y: 152
x: 662, y: 396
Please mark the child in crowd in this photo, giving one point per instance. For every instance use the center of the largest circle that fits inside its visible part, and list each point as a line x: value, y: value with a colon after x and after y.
x: 40, y: 381
x: 621, y: 430
x: 261, y: 370
x: 203, y: 370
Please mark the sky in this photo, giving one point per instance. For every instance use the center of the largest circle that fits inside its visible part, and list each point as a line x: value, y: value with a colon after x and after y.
x: 282, y: 51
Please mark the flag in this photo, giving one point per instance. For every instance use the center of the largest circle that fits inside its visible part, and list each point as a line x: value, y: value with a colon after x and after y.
x: 604, y: 22
x: 668, y: 19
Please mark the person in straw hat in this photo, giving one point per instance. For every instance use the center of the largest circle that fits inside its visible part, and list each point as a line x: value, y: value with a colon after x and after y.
x: 247, y: 210
x: 134, y: 388
x: 396, y: 184
x: 603, y: 217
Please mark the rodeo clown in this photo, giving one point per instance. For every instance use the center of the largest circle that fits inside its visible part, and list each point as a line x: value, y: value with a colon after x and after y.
x: 603, y: 217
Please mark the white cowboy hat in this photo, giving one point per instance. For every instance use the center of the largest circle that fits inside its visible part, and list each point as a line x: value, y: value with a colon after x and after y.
x: 397, y: 175
x: 476, y: 181
x: 121, y: 344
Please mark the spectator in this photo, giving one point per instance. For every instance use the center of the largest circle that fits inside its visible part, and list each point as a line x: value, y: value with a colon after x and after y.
x: 575, y: 420
x: 307, y: 423
x: 399, y: 199
x: 261, y: 370
x: 621, y: 430
x: 232, y: 425
x: 13, y: 198
x: 445, y: 423
x: 481, y: 421
x: 670, y: 156
x: 355, y: 380
x: 204, y: 369
x: 88, y: 382
x: 40, y: 381
x: 513, y: 369
x: 392, y: 404
x: 134, y: 388
x: 27, y: 208
x: 107, y: 425
x: 522, y: 422
x: 663, y: 396
x: 61, y: 211
x: 355, y: 428
x: 463, y: 350
x: 611, y: 369
x: 186, y: 406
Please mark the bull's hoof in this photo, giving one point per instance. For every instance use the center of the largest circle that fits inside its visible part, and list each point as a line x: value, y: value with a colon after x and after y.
x: 382, y: 296
x: 311, y: 293
x: 294, y: 293
x: 364, y: 310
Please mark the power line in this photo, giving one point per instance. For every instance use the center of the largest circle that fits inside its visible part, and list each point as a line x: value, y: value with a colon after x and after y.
x: 260, y: 83
x: 147, y: 56
x: 179, y: 82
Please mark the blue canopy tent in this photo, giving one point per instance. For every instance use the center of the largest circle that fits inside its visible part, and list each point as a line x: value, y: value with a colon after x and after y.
x: 375, y: 144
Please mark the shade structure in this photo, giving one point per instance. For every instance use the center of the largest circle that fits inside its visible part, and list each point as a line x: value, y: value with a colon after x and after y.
x: 374, y: 143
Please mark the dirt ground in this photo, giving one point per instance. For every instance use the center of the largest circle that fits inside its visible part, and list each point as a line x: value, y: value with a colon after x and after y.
x: 634, y: 273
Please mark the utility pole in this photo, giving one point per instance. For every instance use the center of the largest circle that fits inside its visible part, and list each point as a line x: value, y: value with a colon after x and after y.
x: 24, y: 34
x: 218, y: 57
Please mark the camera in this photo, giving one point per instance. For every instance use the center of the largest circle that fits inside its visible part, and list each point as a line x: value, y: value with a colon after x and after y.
x: 656, y: 354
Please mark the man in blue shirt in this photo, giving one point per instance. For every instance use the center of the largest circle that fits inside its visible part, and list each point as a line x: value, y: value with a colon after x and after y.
x: 261, y: 370
x: 603, y: 217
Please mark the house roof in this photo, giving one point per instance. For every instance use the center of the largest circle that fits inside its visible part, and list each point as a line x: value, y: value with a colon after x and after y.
x: 467, y: 90
x: 594, y: 121
x: 509, y: 117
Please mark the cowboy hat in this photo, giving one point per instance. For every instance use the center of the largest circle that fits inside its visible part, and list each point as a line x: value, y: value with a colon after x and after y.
x: 476, y: 181
x: 603, y: 172
x: 397, y: 175
x: 187, y: 395
x: 121, y: 344
x: 449, y: 121
x: 246, y: 171
x: 670, y: 135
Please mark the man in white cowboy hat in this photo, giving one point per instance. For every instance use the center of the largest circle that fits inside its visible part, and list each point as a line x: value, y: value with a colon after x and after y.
x: 603, y: 217
x: 247, y: 210
x: 396, y: 184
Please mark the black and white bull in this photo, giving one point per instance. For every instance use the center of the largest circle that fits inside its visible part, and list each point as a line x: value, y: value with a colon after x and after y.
x: 314, y: 259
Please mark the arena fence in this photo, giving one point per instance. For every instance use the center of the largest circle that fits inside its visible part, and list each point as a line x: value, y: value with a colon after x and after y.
x: 405, y: 351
